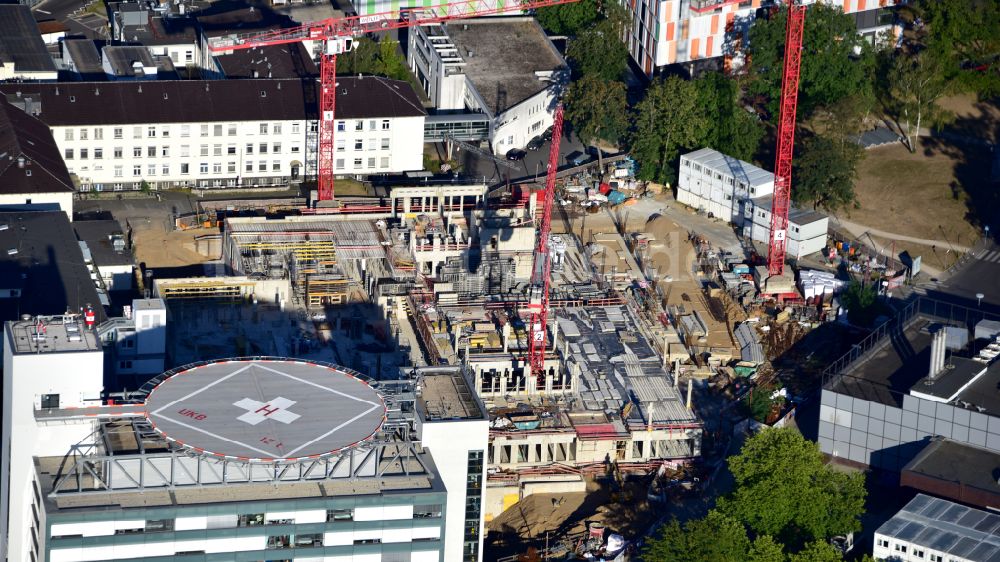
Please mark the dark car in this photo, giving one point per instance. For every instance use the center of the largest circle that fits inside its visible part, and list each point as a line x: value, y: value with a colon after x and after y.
x: 547, y: 135
x: 516, y: 154
x: 535, y: 143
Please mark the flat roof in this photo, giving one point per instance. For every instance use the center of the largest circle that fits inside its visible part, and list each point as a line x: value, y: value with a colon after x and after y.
x: 266, y: 410
x: 51, y: 334
x: 21, y: 42
x: 86, y: 58
x: 446, y: 395
x: 944, y: 526
x: 738, y: 169
x: 503, y: 57
x: 966, y: 465
x: 122, y: 57
x: 98, y: 236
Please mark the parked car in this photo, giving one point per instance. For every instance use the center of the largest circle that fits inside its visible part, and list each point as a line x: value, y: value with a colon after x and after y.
x: 547, y: 135
x: 535, y: 143
x: 577, y: 158
x: 516, y: 154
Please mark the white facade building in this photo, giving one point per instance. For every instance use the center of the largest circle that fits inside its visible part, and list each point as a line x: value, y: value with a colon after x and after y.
x: 721, y: 185
x: 806, y: 229
x: 226, y: 133
x: 32, y: 174
x: 470, y: 66
x: 930, y: 529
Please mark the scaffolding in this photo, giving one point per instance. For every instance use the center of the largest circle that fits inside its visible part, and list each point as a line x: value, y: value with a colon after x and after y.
x: 205, y: 288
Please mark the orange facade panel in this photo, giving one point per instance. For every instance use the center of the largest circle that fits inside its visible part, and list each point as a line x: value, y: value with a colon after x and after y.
x: 670, y: 31
x: 695, y: 43
x: 715, y: 24
x: 708, y: 46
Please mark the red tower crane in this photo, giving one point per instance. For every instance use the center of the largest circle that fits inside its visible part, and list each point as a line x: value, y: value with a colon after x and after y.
x: 541, y: 271
x: 786, y: 139
x: 337, y: 36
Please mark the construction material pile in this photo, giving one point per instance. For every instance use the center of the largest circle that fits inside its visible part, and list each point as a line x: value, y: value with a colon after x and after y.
x: 819, y: 284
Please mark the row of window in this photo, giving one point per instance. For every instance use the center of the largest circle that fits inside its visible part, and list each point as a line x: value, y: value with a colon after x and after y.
x: 185, y: 151
x: 383, y: 163
x: 163, y: 131
x: 215, y: 182
x: 917, y: 552
x: 359, y: 144
x: 359, y: 125
x: 203, y: 168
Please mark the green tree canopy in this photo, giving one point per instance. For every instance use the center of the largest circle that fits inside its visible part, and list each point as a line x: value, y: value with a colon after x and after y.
x: 824, y: 172
x: 914, y: 83
x: 597, y: 109
x: 766, y: 549
x: 669, y: 119
x: 568, y: 19
x: 817, y: 551
x: 734, y: 131
x: 836, y: 61
x: 716, y: 538
x: 964, y: 35
x: 381, y: 58
x: 599, y: 51
x: 784, y: 489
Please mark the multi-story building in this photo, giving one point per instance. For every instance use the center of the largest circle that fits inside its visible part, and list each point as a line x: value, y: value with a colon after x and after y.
x: 256, y: 459
x: 32, y: 173
x: 666, y: 32
x: 930, y: 529
x: 807, y: 229
x: 221, y: 133
x: 468, y: 67
x: 23, y: 55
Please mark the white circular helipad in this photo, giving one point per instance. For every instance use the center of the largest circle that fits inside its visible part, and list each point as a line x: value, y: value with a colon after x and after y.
x: 263, y: 410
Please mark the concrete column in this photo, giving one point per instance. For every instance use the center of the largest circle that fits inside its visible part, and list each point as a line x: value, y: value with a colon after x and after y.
x: 506, y: 337
x: 406, y: 205
x: 555, y: 333
x: 503, y: 383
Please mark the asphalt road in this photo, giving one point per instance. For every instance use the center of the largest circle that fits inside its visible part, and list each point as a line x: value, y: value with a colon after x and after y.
x: 475, y: 166
x: 980, y: 275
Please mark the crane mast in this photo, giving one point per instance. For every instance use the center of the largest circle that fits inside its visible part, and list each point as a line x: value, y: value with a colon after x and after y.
x: 337, y: 36
x: 786, y: 139
x: 542, y: 267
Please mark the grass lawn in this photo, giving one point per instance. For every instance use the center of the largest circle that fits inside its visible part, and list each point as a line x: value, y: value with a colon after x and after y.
x: 349, y: 187
x: 928, y: 194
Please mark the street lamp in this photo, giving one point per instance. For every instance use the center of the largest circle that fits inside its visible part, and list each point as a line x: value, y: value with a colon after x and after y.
x: 979, y: 298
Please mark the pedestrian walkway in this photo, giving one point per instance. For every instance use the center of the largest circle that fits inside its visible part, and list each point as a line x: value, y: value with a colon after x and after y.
x: 860, y: 229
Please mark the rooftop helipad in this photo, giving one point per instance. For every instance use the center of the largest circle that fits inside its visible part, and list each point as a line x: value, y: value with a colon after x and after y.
x: 265, y: 410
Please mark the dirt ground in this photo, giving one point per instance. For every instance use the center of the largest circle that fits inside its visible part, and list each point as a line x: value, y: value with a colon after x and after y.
x: 972, y: 117
x: 627, y: 513
x: 158, y: 248
x: 924, y: 194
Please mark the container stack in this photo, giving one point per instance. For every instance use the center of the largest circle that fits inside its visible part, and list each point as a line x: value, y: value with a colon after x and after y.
x: 819, y: 285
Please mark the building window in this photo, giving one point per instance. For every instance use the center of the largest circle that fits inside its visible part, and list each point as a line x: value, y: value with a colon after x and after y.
x: 340, y: 163
x: 68, y: 134
x: 231, y: 167
x: 383, y: 162
x: 217, y: 130
x: 340, y: 145
x: 151, y: 170
x: 371, y: 144
x: 276, y: 148
x: 136, y: 170
x: 165, y: 132
x: 217, y: 167
x: 151, y: 151
x: 367, y: 541
x: 307, y: 540
x: 372, y: 124
x: 231, y: 149
x: 339, y: 515
x: 427, y: 511
x: 98, y: 154
x: 185, y: 130
x: 249, y: 149
x: 341, y: 127
x: 385, y: 124
x: 165, y: 151
x: 159, y: 525
x: 50, y: 401
x: 136, y: 152
x: 165, y: 169
x: 68, y: 154
x: 204, y: 130
x: 262, y: 148
x: 118, y: 133
x: 357, y: 163
x: 277, y: 128
x: 98, y: 133
x: 262, y: 166
x: 473, y: 506
x: 385, y: 144
x: 249, y: 166
x: 359, y: 125
x: 883, y: 543
x: 83, y: 134
x: 359, y: 144
x: 185, y: 151
x: 136, y: 132
x: 118, y: 171
x: 296, y: 128
x: 275, y: 165
x: 118, y: 152
x: 217, y: 150
x: 901, y: 548
x: 231, y: 129
x: 295, y: 149
x: 151, y: 132
x: 263, y: 128
x: 203, y: 150
x: 918, y: 553
x: 184, y: 169
x: 279, y: 541
x: 371, y: 162
x: 250, y: 520
x: 203, y: 167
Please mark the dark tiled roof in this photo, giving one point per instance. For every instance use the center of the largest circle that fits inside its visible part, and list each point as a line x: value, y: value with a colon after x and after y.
x: 225, y: 17
x: 86, y: 58
x: 20, y: 41
x: 192, y: 101
x: 27, y: 138
x: 166, y: 101
x: 97, y: 234
x: 47, y: 267
x: 371, y: 96
x: 278, y: 61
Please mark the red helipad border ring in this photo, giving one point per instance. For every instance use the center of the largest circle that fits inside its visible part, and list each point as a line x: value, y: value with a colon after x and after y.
x: 265, y: 410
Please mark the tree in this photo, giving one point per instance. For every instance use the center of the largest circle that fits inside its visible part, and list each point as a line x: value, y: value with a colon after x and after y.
x: 380, y: 58
x: 599, y: 51
x: 915, y: 84
x: 784, y: 489
x: 716, y: 538
x: 669, y: 119
x: 824, y: 172
x: 568, y: 19
x: 965, y: 36
x: 861, y: 302
x: 817, y: 551
x: 597, y: 109
x: 734, y: 131
x: 765, y: 549
x: 836, y: 61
